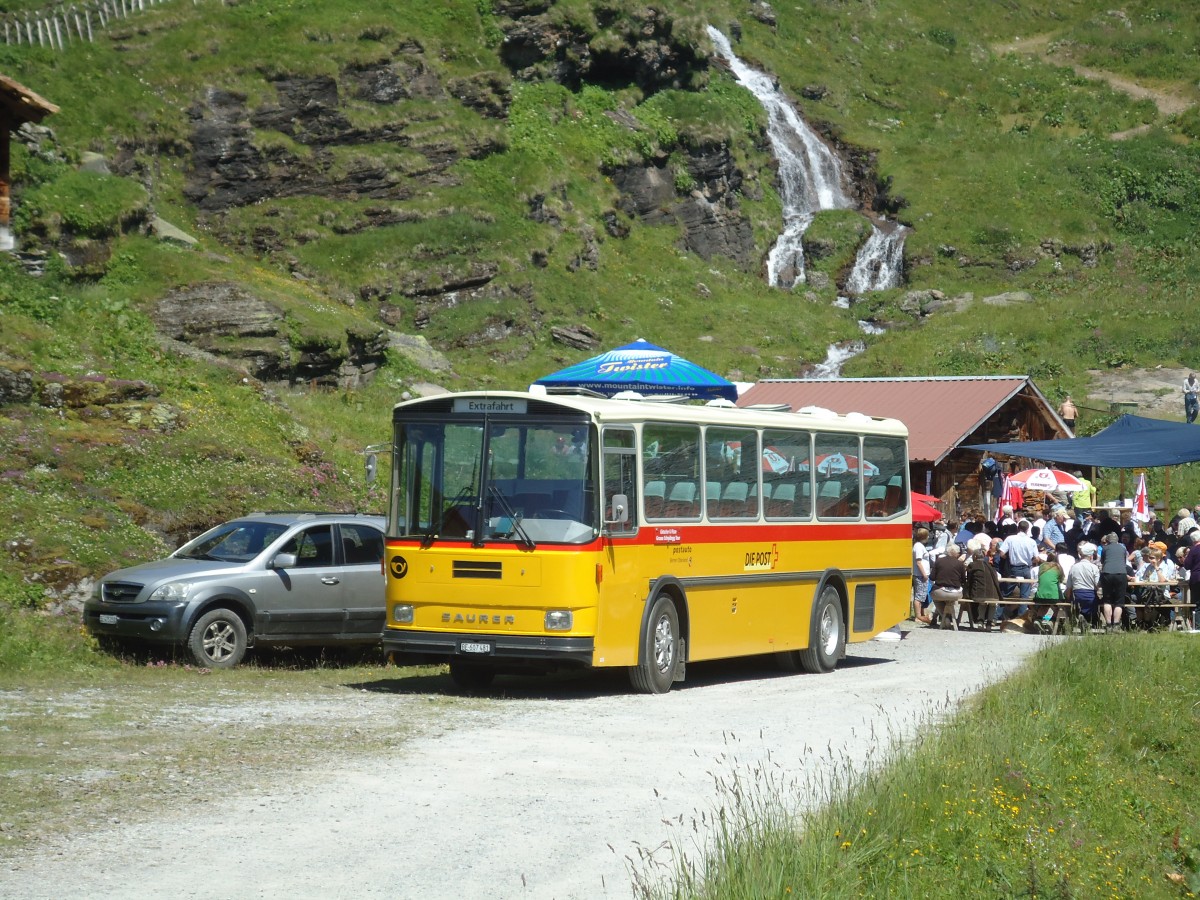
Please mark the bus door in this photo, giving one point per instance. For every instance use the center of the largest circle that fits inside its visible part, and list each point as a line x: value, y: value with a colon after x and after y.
x: 621, y: 572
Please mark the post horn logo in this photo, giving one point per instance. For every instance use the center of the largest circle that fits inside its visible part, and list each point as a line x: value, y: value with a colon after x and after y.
x: 399, y: 566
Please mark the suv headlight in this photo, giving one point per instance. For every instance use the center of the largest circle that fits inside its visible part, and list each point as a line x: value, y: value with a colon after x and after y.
x: 172, y: 591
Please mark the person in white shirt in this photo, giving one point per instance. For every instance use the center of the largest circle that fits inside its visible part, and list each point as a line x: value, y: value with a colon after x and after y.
x: 920, y: 576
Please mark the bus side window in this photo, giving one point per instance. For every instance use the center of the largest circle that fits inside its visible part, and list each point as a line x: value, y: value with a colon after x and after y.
x: 620, y: 478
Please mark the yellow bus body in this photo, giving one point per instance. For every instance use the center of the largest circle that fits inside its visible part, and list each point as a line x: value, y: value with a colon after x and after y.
x: 740, y: 587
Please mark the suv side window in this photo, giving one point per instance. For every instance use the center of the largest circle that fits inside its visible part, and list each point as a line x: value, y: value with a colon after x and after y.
x: 313, y: 547
x: 361, y: 544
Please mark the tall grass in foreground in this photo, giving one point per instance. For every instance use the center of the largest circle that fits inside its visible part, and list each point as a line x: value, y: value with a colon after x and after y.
x: 1076, y: 777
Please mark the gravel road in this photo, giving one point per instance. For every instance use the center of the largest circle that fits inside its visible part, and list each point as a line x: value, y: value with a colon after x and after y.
x: 552, y: 789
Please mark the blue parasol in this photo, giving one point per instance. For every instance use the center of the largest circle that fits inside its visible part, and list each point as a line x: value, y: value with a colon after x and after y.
x: 645, y: 368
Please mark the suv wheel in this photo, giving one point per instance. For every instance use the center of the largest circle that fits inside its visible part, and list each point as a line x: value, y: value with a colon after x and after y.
x: 218, y: 639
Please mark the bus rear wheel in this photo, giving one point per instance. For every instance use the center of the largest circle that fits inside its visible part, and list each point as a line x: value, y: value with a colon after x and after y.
x: 827, y: 634
x: 659, y: 656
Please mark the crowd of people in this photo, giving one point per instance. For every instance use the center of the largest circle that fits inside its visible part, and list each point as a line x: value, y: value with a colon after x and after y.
x: 1116, y: 572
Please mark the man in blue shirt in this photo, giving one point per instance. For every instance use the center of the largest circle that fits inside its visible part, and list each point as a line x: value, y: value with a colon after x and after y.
x: 1020, y: 550
x: 1055, y: 532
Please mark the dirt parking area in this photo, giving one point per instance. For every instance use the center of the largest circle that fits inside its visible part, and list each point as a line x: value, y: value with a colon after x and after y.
x: 562, y: 788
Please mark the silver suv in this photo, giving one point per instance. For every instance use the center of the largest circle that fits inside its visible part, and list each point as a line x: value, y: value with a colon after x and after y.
x: 267, y: 578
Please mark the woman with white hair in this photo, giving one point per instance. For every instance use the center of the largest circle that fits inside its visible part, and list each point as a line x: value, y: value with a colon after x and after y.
x: 1083, y: 580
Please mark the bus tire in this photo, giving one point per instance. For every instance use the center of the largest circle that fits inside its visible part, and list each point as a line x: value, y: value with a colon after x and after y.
x: 827, y: 634
x: 468, y: 677
x: 659, y: 656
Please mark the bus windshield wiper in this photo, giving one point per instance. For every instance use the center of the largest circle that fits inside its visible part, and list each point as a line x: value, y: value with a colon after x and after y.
x: 513, y: 517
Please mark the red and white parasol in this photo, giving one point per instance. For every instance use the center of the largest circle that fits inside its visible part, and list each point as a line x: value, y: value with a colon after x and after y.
x: 1046, y: 480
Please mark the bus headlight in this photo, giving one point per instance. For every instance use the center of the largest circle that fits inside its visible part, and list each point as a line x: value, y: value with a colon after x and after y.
x: 559, y: 620
x: 402, y: 614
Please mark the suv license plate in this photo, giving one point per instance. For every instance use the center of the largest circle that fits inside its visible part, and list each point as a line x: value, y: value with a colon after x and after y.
x: 474, y: 647
x: 109, y: 620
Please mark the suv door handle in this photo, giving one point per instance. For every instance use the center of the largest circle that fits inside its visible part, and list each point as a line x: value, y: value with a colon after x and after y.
x: 329, y: 579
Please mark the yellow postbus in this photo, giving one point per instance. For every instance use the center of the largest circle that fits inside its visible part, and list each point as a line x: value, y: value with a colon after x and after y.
x: 530, y: 532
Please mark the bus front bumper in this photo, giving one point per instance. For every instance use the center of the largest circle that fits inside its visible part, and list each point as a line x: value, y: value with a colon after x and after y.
x: 490, y: 647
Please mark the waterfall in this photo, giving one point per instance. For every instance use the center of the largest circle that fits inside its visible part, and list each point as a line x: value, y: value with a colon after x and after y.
x: 810, y: 174
x: 835, y: 358
x: 880, y: 261
x: 811, y: 180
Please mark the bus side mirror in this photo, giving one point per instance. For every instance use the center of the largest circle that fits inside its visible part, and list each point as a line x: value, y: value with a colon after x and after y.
x: 372, y: 467
x: 619, y: 511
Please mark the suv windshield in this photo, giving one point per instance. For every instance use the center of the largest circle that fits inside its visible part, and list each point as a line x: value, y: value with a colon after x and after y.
x: 233, y: 541
x: 479, y: 480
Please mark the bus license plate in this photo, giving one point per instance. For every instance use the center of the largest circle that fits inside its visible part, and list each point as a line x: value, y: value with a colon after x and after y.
x: 474, y: 647
x: 109, y: 620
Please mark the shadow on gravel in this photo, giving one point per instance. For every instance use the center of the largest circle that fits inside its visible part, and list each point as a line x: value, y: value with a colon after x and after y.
x: 283, y: 658
x: 589, y: 683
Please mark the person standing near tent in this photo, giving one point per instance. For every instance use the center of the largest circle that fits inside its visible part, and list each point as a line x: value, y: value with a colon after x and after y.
x: 1084, y: 498
x: 1114, y: 582
x: 1191, y: 397
x: 920, y: 576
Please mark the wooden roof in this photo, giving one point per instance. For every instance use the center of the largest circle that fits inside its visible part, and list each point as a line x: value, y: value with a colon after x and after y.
x: 21, y: 105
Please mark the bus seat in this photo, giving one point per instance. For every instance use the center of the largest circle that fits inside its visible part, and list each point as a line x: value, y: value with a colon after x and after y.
x: 752, y: 499
x: 712, y: 498
x: 733, y: 499
x: 828, y: 497
x: 655, y: 497
x: 782, y: 498
x: 893, y: 498
x: 681, y: 504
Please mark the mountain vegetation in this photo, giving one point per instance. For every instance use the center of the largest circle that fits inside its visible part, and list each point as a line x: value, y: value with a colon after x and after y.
x: 255, y: 225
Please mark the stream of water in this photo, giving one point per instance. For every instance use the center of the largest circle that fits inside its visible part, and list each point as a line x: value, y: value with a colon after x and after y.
x: 811, y: 179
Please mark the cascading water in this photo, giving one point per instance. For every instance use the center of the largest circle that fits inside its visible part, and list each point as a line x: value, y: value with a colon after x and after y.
x: 811, y: 180
x: 810, y: 174
x: 880, y: 261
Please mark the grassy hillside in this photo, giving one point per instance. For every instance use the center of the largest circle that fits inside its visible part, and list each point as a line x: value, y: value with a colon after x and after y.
x: 994, y: 129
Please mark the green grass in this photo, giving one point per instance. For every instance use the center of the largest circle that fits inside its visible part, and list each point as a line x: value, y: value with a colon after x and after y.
x: 1076, y: 777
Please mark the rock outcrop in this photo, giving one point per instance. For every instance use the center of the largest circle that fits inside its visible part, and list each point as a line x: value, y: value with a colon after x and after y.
x: 230, y: 322
x: 644, y: 46
x: 713, y: 224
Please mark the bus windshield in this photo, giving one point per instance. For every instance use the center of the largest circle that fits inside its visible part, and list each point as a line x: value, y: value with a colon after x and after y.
x: 483, y: 480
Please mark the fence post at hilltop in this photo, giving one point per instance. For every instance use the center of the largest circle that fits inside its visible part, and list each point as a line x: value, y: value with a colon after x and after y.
x: 87, y: 17
x: 58, y: 33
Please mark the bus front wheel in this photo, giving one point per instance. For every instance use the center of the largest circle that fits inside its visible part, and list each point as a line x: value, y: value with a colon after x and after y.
x: 659, y: 657
x: 827, y: 634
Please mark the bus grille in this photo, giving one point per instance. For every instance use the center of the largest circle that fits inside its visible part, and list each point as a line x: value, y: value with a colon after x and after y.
x: 120, y: 591
x: 476, y: 569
